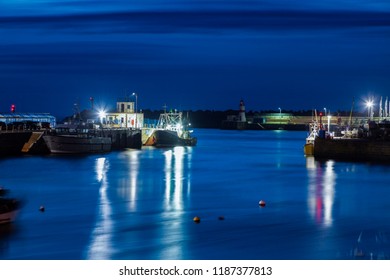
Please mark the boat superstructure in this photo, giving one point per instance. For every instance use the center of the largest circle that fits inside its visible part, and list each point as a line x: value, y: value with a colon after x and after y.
x: 309, y: 145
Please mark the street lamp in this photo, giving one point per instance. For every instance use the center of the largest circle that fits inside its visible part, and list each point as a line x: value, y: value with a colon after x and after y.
x: 325, y: 111
x: 136, y: 100
x: 369, y: 105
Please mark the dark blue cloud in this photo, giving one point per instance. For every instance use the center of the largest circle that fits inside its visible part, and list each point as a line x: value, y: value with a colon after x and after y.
x: 294, y: 59
x: 198, y: 21
x: 75, y: 6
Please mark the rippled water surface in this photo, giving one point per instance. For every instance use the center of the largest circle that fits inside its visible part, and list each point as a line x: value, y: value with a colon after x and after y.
x: 140, y: 204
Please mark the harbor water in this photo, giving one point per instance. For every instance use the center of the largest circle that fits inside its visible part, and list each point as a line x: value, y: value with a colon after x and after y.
x: 140, y: 204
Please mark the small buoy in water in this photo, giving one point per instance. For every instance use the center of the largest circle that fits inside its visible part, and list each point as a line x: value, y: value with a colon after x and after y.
x: 196, y: 219
x: 262, y: 203
x: 42, y: 208
x: 221, y: 218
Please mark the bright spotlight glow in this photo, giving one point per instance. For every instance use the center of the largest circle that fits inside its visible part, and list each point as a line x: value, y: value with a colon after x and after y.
x: 369, y: 104
x: 102, y: 114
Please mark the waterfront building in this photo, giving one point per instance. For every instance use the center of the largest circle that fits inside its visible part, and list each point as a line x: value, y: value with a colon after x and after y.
x: 24, y: 118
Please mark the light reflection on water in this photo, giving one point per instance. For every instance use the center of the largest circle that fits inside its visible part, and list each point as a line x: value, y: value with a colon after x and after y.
x: 173, y: 202
x: 140, y: 204
x: 321, y: 190
x: 101, y: 247
x: 134, y: 171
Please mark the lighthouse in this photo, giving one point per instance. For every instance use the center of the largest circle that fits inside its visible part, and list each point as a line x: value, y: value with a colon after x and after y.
x: 241, y: 114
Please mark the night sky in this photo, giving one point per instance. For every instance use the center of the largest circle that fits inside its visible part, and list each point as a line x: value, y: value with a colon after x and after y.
x: 193, y: 54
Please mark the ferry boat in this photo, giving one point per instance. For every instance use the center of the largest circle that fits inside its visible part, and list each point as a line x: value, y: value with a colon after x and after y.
x: 169, y: 132
x: 77, y: 139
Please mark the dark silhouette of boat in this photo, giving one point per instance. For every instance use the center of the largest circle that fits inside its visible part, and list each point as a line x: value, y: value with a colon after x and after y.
x: 169, y: 132
x: 9, y: 207
x: 77, y: 139
x: 367, y: 143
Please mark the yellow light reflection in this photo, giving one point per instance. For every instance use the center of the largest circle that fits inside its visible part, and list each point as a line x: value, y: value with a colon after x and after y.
x: 321, y: 190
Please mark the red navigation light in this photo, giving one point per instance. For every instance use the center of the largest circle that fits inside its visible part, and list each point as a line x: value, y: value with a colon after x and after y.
x: 320, y: 113
x: 13, y: 108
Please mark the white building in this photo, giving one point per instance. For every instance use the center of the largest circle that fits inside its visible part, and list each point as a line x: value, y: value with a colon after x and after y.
x: 125, y: 116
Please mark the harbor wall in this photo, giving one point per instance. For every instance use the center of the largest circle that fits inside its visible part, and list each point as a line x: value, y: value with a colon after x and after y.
x: 352, y: 149
x: 282, y: 121
x: 14, y: 143
x: 234, y: 125
x: 124, y: 138
x: 11, y: 142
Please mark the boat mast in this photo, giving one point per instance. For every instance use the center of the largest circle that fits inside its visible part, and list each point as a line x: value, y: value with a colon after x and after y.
x: 76, y: 115
x: 350, y: 115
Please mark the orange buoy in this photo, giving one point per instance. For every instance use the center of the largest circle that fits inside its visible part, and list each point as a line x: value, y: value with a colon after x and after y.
x: 262, y: 203
x: 196, y: 219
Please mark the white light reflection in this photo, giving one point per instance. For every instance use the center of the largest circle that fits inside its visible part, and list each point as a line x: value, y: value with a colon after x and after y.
x: 321, y: 190
x: 173, y: 202
x: 129, y: 189
x: 174, y: 179
x: 101, y: 247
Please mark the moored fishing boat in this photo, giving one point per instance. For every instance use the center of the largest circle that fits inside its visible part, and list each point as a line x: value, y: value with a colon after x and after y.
x: 77, y: 139
x: 309, y: 145
x: 169, y: 132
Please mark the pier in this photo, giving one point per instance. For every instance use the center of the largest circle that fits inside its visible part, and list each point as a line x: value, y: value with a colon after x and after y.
x: 19, y: 142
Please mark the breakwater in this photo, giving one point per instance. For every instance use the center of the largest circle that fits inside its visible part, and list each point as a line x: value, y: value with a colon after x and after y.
x: 353, y: 149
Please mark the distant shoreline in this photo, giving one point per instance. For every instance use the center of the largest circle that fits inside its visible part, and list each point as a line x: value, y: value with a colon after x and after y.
x: 269, y: 118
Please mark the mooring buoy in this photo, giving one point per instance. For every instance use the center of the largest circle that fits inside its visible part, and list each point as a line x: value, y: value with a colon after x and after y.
x: 262, y: 203
x: 196, y: 219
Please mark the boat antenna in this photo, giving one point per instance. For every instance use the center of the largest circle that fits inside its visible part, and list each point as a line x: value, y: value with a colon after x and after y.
x: 350, y: 115
x: 91, y: 99
x: 77, y: 115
